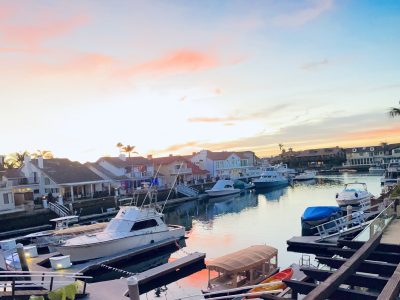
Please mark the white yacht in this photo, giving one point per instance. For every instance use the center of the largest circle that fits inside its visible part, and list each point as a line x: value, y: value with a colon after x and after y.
x: 353, y: 194
x: 272, y: 177
x: 222, y: 188
x: 306, y: 175
x: 132, y: 228
x: 285, y: 171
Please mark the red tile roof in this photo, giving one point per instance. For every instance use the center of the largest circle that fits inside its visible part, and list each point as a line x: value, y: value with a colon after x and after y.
x: 128, y: 162
x: 178, y: 159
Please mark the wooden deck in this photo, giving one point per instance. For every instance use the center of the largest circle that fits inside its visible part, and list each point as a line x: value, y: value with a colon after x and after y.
x: 392, y: 233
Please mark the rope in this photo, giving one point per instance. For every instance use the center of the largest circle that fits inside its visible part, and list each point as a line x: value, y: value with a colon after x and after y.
x: 151, y: 185
x: 118, y: 270
x: 173, y: 185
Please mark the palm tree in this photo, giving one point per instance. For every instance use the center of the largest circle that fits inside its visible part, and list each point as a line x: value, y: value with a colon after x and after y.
x: 15, y: 160
x: 119, y: 146
x: 280, y: 147
x: 394, y: 112
x: 46, y: 154
x: 128, y: 149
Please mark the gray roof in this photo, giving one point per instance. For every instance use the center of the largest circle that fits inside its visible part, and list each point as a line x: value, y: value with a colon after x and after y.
x: 12, y: 173
x: 128, y: 162
x: 106, y: 174
x: 62, y: 170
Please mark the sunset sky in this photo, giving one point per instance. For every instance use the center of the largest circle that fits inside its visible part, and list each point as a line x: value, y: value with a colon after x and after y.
x: 77, y: 77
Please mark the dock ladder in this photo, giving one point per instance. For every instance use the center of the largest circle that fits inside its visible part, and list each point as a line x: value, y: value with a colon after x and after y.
x: 187, y: 190
x: 59, y: 210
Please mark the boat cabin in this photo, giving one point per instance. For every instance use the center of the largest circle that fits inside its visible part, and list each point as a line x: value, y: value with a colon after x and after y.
x: 244, y: 267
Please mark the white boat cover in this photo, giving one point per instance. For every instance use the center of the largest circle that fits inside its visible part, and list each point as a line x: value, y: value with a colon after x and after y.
x: 242, y: 260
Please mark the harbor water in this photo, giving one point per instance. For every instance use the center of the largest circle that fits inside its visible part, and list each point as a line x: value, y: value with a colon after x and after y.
x: 224, y: 225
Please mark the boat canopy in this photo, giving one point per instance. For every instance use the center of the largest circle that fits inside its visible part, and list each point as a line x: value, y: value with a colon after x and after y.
x: 221, y: 184
x: 243, y: 260
x: 314, y: 213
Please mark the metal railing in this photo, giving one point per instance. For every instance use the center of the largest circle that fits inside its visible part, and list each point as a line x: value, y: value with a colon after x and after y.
x: 187, y: 190
x: 378, y: 224
x: 342, y: 224
x: 14, y: 281
x: 59, y: 209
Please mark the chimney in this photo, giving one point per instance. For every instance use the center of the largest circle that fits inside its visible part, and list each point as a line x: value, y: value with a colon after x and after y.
x: 1, y: 160
x: 40, y: 162
x: 122, y: 157
x: 193, y: 153
x: 170, y: 155
x: 27, y: 159
x: 149, y: 156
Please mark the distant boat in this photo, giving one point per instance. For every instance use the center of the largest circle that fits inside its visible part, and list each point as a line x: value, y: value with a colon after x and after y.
x: 306, y: 175
x: 392, y: 174
x: 378, y: 170
x: 223, y: 187
x: 131, y: 228
x: 316, y: 215
x: 348, y: 171
x: 353, y: 194
x: 271, y: 178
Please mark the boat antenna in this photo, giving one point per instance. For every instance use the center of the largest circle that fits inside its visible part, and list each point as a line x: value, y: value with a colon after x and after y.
x: 173, y: 185
x: 151, y: 185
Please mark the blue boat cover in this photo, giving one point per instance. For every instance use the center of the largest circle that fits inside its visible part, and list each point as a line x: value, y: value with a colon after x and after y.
x: 314, y: 213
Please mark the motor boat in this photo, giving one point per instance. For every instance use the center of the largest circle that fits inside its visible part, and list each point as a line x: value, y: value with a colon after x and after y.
x: 306, y: 175
x: 223, y: 187
x: 392, y: 174
x: 317, y: 215
x: 285, y: 171
x: 377, y: 170
x: 271, y: 178
x: 353, y: 194
x: 63, y: 230
x: 133, y: 227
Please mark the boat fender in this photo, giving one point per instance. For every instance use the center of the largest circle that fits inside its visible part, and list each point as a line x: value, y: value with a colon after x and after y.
x: 356, y: 194
x: 152, y: 242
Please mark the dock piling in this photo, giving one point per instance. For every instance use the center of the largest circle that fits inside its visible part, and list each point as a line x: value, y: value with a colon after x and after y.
x: 133, y: 288
x: 22, y: 258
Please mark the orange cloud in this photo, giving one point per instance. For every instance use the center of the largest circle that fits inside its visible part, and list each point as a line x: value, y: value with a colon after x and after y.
x: 175, y: 62
x: 381, y: 133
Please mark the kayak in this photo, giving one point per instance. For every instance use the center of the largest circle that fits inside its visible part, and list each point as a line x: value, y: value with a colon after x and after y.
x: 285, y: 274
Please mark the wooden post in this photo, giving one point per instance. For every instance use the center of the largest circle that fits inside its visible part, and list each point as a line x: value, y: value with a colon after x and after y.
x: 133, y: 288
x: 349, y: 216
x: 22, y: 258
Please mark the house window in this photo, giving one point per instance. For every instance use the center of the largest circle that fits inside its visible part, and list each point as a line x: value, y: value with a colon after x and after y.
x: 46, y: 180
x: 177, y: 167
x: 144, y: 224
x: 6, y: 199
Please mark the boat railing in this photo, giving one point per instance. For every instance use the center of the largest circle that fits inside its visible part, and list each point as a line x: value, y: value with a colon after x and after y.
x: 18, y: 283
x: 59, y: 209
x: 342, y: 224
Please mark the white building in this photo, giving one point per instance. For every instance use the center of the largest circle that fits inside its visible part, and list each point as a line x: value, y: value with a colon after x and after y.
x: 225, y: 164
x: 372, y: 155
x: 6, y: 198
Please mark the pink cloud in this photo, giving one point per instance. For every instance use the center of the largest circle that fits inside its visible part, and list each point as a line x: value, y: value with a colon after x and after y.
x: 303, y: 16
x: 175, y: 62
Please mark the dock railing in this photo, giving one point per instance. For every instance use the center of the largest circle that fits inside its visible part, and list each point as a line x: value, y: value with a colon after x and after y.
x: 378, y: 224
x: 349, y: 222
x: 25, y: 283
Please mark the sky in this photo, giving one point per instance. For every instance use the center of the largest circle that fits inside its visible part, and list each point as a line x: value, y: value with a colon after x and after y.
x: 77, y: 77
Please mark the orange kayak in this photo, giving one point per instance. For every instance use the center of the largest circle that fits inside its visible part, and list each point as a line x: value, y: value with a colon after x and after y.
x: 285, y: 274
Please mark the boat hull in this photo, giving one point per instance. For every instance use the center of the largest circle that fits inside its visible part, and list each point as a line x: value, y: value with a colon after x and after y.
x: 352, y: 201
x: 211, y: 193
x: 91, y: 251
x: 270, y: 184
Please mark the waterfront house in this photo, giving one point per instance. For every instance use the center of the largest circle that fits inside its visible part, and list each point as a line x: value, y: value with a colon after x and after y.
x: 314, y: 158
x: 125, y: 173
x: 180, y: 169
x: 6, y: 197
x: 372, y: 155
x: 62, y: 177
x: 225, y: 164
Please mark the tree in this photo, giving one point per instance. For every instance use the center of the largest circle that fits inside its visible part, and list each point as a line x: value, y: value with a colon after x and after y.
x: 128, y: 149
x: 15, y: 160
x: 394, y: 111
x: 46, y: 154
x: 280, y: 147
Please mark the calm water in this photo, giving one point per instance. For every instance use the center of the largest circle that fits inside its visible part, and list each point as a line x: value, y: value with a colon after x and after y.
x: 271, y: 217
